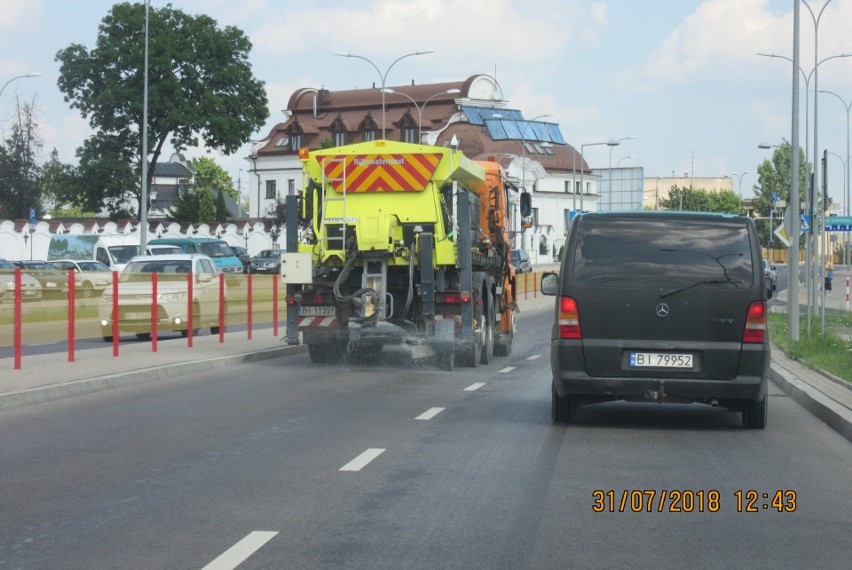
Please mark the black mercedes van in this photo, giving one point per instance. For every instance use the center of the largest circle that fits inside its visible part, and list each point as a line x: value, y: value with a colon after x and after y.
x: 660, y: 306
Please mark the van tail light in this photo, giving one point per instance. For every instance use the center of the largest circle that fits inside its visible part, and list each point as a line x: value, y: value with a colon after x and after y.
x: 755, y: 327
x: 569, y: 319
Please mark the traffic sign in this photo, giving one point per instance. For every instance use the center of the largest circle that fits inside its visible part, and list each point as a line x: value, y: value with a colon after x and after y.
x: 838, y: 224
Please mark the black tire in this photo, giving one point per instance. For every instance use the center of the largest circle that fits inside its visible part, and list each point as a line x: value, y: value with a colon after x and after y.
x: 469, y: 354
x: 215, y: 330
x: 143, y: 336
x: 562, y: 410
x: 488, y: 333
x: 755, y: 414
x: 185, y: 332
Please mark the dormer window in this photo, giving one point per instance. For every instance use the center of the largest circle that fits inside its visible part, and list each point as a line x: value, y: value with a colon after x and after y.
x: 338, y: 132
x: 294, y: 133
x: 368, y: 128
x: 408, y: 128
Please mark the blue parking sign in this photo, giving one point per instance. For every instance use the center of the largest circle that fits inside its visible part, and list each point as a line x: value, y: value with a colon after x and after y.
x: 32, y: 215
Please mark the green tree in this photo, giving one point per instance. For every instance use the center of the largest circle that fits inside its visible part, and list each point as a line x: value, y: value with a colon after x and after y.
x: 701, y: 200
x: 206, y: 207
x: 774, y: 178
x: 19, y: 172
x: 187, y: 208
x: 200, y: 89
x: 210, y: 175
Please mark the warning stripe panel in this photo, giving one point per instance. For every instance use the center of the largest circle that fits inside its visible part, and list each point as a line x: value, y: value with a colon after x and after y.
x: 317, y: 321
x: 381, y: 172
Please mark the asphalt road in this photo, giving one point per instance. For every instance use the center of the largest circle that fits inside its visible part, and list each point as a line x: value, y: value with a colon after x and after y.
x: 395, y: 464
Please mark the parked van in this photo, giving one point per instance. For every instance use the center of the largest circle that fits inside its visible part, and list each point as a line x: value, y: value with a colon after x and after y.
x: 223, y: 256
x: 662, y: 307
x: 113, y: 250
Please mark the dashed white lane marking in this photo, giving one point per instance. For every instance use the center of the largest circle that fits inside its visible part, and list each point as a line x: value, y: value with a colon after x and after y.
x: 507, y: 370
x: 429, y: 414
x: 533, y: 357
x: 362, y: 460
x: 474, y: 387
x: 238, y: 553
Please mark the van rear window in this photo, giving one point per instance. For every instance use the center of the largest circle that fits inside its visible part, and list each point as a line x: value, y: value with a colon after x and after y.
x: 666, y: 253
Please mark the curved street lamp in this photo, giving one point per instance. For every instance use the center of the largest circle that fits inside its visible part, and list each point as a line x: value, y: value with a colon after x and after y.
x: 382, y: 76
x: 618, y: 164
x: 420, y: 107
x: 33, y: 74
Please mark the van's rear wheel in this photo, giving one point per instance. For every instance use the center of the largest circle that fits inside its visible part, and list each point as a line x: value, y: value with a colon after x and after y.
x: 562, y: 410
x: 755, y: 413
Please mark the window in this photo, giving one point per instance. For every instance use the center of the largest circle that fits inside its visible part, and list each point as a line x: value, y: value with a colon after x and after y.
x: 588, y: 187
x: 338, y: 132
x: 409, y: 134
x: 407, y: 128
x: 368, y: 128
x: 270, y: 190
x: 283, y: 141
x: 295, y: 142
x: 535, y: 216
x: 291, y: 187
x: 576, y: 187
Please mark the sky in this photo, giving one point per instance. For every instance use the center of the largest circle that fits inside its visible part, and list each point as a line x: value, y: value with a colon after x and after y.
x: 681, y: 76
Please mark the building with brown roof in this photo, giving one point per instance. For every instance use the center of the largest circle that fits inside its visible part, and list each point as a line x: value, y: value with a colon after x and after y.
x: 533, y: 152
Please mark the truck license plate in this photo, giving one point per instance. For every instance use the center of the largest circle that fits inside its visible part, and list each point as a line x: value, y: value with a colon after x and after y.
x: 660, y: 360
x: 317, y: 311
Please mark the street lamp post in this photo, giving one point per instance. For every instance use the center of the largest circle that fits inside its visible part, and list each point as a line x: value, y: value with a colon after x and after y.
x: 610, y: 167
x: 382, y: 76
x: 618, y: 164
x: 33, y: 74
x: 610, y: 143
x: 420, y: 107
x: 848, y: 174
x: 143, y: 201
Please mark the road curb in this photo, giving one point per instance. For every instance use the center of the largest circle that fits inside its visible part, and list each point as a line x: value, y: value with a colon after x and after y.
x: 833, y: 414
x: 46, y: 393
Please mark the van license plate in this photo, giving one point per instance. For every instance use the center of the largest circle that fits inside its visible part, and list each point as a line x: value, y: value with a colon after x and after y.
x: 317, y: 311
x: 137, y: 316
x: 660, y: 360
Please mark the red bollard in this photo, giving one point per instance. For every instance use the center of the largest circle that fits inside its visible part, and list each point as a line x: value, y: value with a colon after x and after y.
x: 535, y: 285
x: 17, y: 334
x: 248, y: 306
x: 154, y: 317
x: 189, y: 310
x: 115, y: 313
x: 71, y: 316
x: 526, y: 285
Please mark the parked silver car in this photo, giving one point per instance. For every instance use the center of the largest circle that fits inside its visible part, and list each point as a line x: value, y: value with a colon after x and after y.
x: 135, y: 289
x: 90, y: 277
x: 30, y: 286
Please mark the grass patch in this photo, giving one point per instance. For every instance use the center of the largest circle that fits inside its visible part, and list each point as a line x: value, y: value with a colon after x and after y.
x: 828, y: 352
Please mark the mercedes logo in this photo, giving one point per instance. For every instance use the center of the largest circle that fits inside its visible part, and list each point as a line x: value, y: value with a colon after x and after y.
x: 662, y: 310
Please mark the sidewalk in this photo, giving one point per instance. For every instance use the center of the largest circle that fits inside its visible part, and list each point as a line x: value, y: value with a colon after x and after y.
x: 49, y: 377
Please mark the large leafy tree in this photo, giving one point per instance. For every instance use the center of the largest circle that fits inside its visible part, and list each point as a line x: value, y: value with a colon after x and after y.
x: 209, y: 175
x: 774, y: 178
x: 200, y: 88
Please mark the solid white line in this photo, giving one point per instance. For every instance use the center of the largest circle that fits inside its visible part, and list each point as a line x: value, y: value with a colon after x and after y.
x: 474, y: 387
x: 429, y: 414
x: 362, y: 460
x: 507, y: 369
x: 533, y: 357
x: 238, y: 553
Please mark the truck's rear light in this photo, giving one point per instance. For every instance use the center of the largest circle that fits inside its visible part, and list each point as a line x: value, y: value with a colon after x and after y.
x: 449, y: 298
x: 755, y: 327
x: 569, y: 319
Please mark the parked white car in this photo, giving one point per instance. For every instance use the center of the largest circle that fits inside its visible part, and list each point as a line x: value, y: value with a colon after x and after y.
x: 135, y: 291
x: 90, y: 277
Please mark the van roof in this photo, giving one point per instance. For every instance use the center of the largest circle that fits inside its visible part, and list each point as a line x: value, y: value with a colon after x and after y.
x: 184, y: 240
